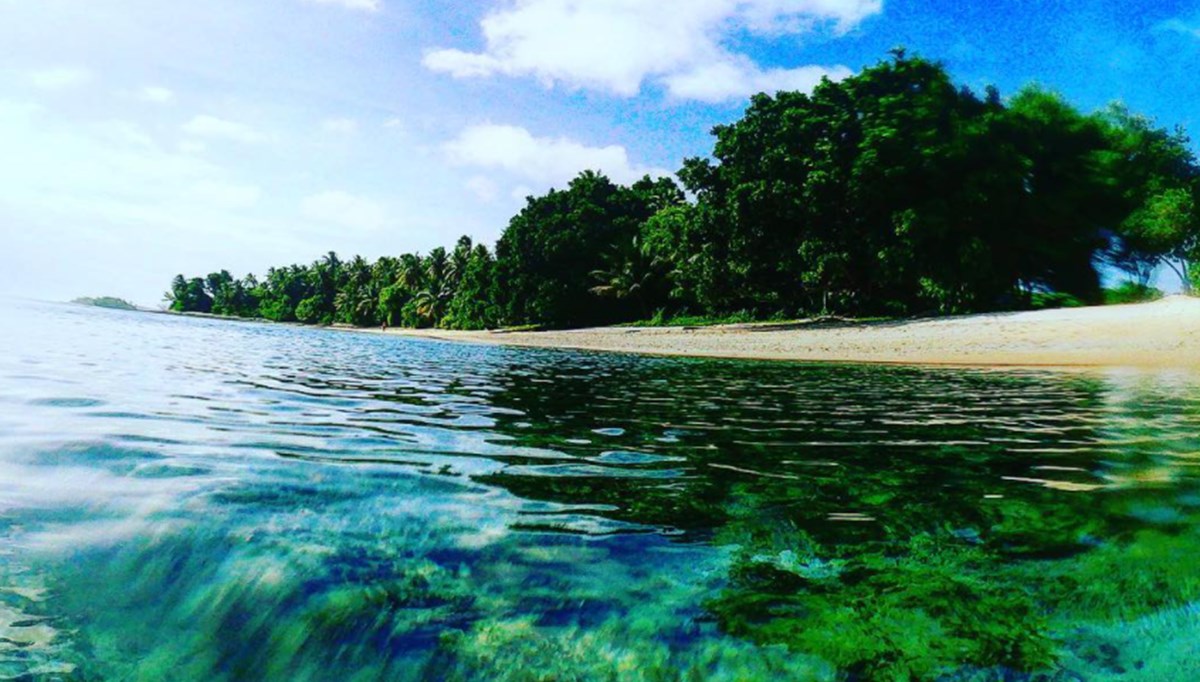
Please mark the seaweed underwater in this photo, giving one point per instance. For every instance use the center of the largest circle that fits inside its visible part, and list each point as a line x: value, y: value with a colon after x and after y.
x: 389, y: 509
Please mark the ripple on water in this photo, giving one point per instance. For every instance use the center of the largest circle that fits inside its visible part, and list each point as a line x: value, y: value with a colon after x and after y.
x: 623, y: 457
x: 386, y: 505
x: 590, y: 471
x: 67, y: 402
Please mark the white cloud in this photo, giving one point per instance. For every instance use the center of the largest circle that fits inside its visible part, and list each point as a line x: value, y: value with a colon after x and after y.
x: 721, y: 81
x: 544, y: 160
x: 343, y: 209
x: 192, y: 147
x: 343, y: 126
x: 617, y: 45
x: 59, y: 79
x: 156, y: 95
x: 219, y: 128
x: 117, y: 206
x: 483, y: 187
x: 361, y: 5
x: 111, y: 172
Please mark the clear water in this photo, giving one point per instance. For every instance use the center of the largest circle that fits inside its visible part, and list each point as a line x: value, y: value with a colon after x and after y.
x: 200, y: 500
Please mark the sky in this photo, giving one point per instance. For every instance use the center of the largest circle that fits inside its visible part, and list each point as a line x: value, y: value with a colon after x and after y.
x: 142, y: 138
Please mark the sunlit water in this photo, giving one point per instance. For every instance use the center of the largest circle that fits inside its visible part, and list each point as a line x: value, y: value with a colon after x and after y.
x: 201, y: 500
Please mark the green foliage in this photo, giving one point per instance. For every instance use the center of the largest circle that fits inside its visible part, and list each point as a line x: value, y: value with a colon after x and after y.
x: 189, y: 295
x: 309, y: 310
x: 1131, y: 292
x: 1159, y: 181
x: 1042, y: 300
x: 896, y: 192
x: 892, y: 192
x: 631, y: 275
x: 473, y: 303
x: 554, y: 250
x: 662, y: 319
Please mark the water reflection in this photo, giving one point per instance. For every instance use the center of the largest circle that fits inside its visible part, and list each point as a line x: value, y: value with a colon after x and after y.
x: 204, y: 500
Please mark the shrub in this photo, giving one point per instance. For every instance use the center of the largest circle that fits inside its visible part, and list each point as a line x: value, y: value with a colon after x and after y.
x: 1131, y: 292
x: 1055, y: 299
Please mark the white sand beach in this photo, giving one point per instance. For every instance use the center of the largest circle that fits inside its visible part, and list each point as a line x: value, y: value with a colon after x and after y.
x: 1161, y: 334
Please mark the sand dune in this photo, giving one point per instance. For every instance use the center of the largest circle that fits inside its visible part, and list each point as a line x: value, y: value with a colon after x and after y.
x: 1162, y: 334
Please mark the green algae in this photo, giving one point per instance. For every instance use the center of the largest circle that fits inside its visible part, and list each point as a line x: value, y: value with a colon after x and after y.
x: 519, y: 651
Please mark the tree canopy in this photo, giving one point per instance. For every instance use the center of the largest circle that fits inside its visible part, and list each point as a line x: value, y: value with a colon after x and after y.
x: 892, y: 192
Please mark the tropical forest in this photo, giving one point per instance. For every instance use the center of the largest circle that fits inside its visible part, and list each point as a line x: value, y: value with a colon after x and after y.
x: 893, y: 192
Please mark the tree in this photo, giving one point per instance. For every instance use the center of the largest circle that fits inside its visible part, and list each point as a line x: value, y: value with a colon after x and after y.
x: 174, y: 296
x: 326, y: 277
x: 1166, y: 230
x: 825, y: 200
x: 895, y: 191
x: 545, y: 257
x: 431, y: 300
x: 357, y: 300
x: 1157, y: 177
x: 280, y: 295
x: 632, y: 274
x: 190, y: 296
x: 473, y: 305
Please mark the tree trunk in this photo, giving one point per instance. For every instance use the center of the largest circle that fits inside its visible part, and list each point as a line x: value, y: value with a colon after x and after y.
x: 1182, y: 271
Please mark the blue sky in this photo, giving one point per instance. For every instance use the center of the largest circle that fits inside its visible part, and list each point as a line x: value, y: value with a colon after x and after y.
x: 140, y: 138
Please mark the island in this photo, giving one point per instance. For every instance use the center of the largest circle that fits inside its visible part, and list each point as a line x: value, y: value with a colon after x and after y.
x: 105, y: 302
x: 893, y: 216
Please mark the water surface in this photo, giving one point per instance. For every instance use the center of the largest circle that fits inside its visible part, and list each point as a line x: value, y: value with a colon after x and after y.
x: 202, y: 500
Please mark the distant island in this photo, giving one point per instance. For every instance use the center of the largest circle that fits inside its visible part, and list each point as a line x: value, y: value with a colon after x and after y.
x: 106, y: 302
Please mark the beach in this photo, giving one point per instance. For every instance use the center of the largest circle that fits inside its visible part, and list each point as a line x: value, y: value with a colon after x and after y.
x: 1161, y: 334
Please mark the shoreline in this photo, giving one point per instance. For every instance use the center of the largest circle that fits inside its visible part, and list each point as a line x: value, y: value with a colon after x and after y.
x: 1164, y: 334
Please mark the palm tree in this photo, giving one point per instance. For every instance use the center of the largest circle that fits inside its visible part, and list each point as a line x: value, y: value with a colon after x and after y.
x: 437, y: 265
x: 629, y: 274
x: 432, y: 301
x: 437, y: 290
x: 411, y: 272
x: 459, y: 259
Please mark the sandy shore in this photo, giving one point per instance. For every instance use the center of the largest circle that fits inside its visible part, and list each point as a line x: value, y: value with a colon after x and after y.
x: 1162, y: 334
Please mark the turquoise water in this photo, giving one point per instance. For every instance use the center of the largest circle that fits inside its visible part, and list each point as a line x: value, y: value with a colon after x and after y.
x: 199, y: 500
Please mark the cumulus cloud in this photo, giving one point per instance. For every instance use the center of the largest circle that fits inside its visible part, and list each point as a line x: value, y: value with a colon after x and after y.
x: 111, y: 172
x: 361, y: 5
x: 344, y: 210
x: 59, y: 78
x: 544, y: 160
x: 219, y: 128
x: 725, y: 80
x: 618, y: 45
x: 483, y: 187
x: 156, y: 95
